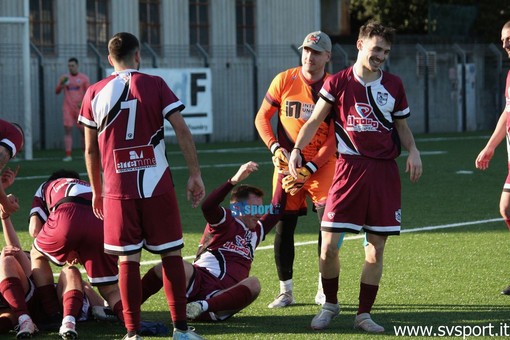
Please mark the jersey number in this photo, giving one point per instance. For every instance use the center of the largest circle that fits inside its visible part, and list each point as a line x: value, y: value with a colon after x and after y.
x: 130, y: 105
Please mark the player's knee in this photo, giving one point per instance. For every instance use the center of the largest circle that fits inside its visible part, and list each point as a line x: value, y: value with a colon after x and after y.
x: 253, y: 285
x: 329, y: 251
x: 505, y: 212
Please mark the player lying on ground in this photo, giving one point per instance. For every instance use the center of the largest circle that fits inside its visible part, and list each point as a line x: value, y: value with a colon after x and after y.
x: 218, y: 281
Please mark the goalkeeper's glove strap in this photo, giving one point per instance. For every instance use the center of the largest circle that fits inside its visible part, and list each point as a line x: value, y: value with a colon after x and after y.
x: 275, y: 146
x: 312, y: 167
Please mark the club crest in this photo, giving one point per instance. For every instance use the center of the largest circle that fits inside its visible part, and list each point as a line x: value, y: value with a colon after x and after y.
x: 331, y: 215
x: 382, y: 98
x: 398, y: 216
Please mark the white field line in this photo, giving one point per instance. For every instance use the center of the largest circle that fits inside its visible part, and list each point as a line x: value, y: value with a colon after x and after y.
x: 214, y: 166
x: 347, y: 238
x: 356, y: 237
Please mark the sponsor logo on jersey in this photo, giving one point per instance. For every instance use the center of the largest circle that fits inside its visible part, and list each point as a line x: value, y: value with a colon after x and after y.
x: 362, y: 122
x: 134, y: 159
x: 240, y: 246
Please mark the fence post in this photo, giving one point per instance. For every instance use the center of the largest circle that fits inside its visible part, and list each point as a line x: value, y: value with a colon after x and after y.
x: 499, y: 97
x: 100, y: 67
x: 426, y: 86
x: 204, y: 54
x: 153, y: 55
x: 42, y: 100
x: 255, y: 72
x: 462, y: 54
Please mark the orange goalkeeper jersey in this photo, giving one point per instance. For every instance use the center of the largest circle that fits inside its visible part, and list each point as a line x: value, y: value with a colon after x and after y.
x: 294, y: 98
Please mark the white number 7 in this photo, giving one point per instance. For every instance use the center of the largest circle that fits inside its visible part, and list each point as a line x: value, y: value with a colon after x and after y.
x: 131, y: 106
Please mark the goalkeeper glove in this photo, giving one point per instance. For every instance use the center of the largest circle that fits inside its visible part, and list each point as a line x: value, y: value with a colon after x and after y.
x: 281, y: 160
x: 293, y: 185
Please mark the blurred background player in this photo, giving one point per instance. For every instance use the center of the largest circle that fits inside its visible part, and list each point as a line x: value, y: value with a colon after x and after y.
x: 218, y: 281
x: 11, y: 142
x: 74, y: 85
x: 293, y: 94
x: 501, y: 131
x: 138, y: 200
x: 370, y: 121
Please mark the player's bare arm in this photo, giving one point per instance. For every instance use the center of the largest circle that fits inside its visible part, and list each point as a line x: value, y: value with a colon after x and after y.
x: 244, y: 171
x: 195, y: 187
x: 306, y: 134
x: 484, y: 157
x: 9, y: 204
x: 93, y: 165
x: 12, y: 241
x: 413, y: 164
x: 35, y: 225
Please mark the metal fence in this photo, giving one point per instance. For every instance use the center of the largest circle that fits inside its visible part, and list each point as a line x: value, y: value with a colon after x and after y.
x: 449, y: 87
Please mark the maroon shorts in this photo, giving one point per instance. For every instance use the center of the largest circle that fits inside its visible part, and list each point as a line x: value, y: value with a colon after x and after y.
x: 365, y: 194
x: 152, y: 223
x: 203, y: 285
x: 72, y: 227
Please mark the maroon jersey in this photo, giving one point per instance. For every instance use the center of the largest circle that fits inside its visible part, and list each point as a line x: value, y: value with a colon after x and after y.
x: 364, y: 113
x: 51, y: 194
x: 10, y: 137
x: 227, y: 246
x: 131, y: 132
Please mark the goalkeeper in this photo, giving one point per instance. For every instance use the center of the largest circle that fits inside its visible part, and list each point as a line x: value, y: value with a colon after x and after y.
x: 293, y: 94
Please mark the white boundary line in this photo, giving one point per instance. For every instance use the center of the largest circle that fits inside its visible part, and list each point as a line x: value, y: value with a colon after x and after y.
x: 356, y: 237
x: 347, y: 238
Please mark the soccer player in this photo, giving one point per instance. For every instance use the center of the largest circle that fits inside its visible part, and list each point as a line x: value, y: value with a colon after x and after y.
x: 293, y: 94
x: 11, y: 142
x: 74, y: 85
x: 67, y: 231
x: 501, y: 131
x: 218, y: 281
x: 370, y: 122
x: 124, y: 115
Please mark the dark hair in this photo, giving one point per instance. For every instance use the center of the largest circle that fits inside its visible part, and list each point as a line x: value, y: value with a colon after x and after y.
x: 243, y: 191
x: 73, y: 59
x: 123, y: 45
x: 63, y: 173
x: 374, y: 28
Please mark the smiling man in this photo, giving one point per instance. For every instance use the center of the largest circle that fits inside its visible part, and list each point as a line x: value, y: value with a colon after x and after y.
x: 370, y: 123
x: 292, y: 96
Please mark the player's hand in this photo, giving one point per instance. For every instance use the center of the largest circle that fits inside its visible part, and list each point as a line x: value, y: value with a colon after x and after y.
x: 97, y: 206
x: 9, y: 204
x: 295, y: 162
x: 483, y: 159
x: 292, y: 184
x: 63, y: 80
x: 8, y: 177
x: 244, y: 171
x: 281, y: 160
x: 414, y: 166
x: 10, y: 250
x: 195, y: 190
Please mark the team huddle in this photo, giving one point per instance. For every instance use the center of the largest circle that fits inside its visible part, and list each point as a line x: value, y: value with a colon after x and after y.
x: 336, y: 137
